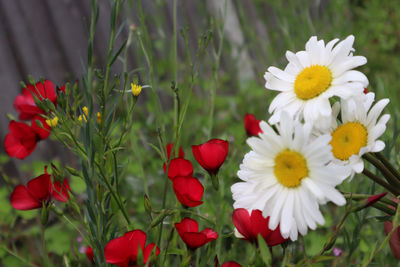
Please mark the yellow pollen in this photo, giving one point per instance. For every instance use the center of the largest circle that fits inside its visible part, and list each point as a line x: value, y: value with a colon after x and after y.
x: 348, y: 139
x: 290, y: 168
x: 312, y: 81
x: 136, y: 89
x: 52, y: 122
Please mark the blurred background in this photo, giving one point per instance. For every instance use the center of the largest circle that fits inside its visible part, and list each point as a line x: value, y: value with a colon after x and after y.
x: 48, y: 39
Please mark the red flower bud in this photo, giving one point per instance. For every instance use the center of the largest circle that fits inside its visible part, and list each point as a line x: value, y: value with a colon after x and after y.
x: 252, y: 125
x: 394, y: 241
x: 38, y: 191
x: 188, y: 191
x: 89, y: 253
x: 188, y: 230
x: 122, y: 251
x: 170, y: 146
x: 366, y: 91
x: 231, y: 264
x: 179, y: 167
x: 25, y: 103
x: 250, y: 226
x: 375, y: 198
x: 20, y: 141
x: 211, y: 155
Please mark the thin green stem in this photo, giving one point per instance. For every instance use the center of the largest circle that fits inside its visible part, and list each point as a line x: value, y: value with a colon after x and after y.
x: 375, y: 178
x: 390, y: 177
x: 5, y: 248
x: 387, y: 164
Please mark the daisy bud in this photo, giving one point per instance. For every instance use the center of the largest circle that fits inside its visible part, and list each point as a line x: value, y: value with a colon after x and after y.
x: 188, y: 191
x: 136, y: 89
x: 211, y: 155
x: 251, y: 125
x: 248, y: 227
x: 188, y: 230
x: 123, y: 251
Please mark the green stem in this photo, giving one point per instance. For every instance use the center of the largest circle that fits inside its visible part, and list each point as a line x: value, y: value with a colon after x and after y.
x: 378, y: 180
x: 390, y: 177
x: 26, y: 262
x: 387, y: 164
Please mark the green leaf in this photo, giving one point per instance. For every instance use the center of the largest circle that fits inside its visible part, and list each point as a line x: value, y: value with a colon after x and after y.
x: 264, y: 250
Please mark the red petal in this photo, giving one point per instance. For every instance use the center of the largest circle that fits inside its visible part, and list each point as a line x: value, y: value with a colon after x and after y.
x: 44, y: 132
x: 169, y: 149
x: 40, y: 187
x: 394, y: 241
x: 231, y: 264
x: 21, y: 199
x: 118, y: 251
x: 275, y: 238
x: 44, y: 90
x: 61, y: 193
x: 210, y: 234
x: 259, y: 225
x: 194, y: 240
x: 25, y: 105
x: 187, y: 225
x: 89, y: 253
x: 148, y: 250
x: 211, y: 155
x: 180, y: 167
x: 188, y: 191
x: 137, y: 238
x: 241, y: 220
x: 251, y: 125
x: 21, y: 141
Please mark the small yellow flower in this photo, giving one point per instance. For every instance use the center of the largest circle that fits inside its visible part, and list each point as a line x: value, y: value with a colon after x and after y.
x: 86, y: 112
x: 98, y: 117
x: 52, y: 122
x: 136, y: 89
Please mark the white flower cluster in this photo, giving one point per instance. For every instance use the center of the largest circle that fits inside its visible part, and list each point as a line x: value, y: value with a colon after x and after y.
x: 295, y: 166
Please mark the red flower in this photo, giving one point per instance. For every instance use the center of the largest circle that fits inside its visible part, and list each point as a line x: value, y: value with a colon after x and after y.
x: 39, y: 191
x: 394, y: 241
x: 20, y: 141
x: 44, y: 132
x: 122, y: 251
x: 366, y: 90
x: 231, y: 264
x: 25, y: 103
x: 252, y: 125
x: 188, y: 191
x: 211, y: 155
x: 89, y: 253
x: 169, y: 147
x: 188, y: 230
x: 179, y: 167
x: 251, y: 225
x: 61, y: 89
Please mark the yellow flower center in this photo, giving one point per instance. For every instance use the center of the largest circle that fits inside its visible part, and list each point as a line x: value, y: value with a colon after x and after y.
x: 312, y: 81
x: 136, y: 89
x: 348, y: 139
x: 290, y: 168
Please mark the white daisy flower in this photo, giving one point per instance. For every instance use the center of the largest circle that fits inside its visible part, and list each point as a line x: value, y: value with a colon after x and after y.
x: 313, y: 76
x: 287, y: 176
x: 359, y: 130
